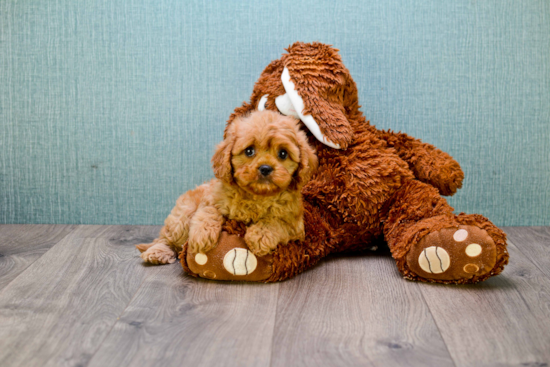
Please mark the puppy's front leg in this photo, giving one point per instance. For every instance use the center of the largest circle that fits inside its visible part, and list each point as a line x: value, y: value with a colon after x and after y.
x: 263, y: 238
x: 205, y: 229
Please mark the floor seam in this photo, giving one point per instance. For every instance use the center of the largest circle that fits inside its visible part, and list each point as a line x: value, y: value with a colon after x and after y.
x: 119, y: 316
x: 38, y: 258
x: 437, y: 326
x: 274, y: 323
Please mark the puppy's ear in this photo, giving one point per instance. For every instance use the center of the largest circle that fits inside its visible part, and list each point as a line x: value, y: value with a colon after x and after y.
x: 308, y: 162
x: 221, y: 160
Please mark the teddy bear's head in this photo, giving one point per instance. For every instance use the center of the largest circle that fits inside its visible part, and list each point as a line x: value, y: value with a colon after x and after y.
x: 310, y: 82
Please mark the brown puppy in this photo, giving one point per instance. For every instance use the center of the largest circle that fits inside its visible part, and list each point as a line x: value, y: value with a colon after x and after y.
x: 261, y: 167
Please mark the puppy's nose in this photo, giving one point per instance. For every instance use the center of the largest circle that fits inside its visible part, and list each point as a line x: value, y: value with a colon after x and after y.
x: 265, y: 170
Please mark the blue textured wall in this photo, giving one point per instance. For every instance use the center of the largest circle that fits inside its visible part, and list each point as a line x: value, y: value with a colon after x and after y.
x: 110, y: 110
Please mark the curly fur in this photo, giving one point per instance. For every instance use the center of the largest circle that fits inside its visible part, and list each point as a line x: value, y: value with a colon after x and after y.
x: 381, y: 186
x: 270, y: 205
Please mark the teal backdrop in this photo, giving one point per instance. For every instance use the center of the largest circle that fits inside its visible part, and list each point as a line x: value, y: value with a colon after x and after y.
x: 109, y: 110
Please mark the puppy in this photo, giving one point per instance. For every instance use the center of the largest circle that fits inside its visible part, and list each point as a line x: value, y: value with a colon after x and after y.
x: 260, y: 168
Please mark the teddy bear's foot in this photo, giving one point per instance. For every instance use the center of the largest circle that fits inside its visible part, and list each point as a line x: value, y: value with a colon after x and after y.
x: 459, y: 254
x: 461, y: 249
x: 229, y: 260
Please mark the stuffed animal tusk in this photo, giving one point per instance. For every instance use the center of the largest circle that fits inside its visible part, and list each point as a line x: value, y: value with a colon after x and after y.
x: 285, y: 106
x: 298, y: 104
x: 263, y: 100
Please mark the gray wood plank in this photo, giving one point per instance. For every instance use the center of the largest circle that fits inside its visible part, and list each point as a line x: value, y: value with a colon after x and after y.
x: 534, y: 243
x: 504, y: 321
x: 177, y: 320
x: 355, y: 311
x: 59, y: 310
x: 88, y: 300
x: 23, y: 244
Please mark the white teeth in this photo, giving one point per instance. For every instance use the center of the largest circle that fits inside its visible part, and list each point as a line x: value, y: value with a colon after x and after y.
x: 298, y: 104
x: 263, y: 100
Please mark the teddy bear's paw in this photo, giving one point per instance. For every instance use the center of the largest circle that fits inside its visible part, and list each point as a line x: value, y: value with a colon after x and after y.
x: 159, y: 254
x: 459, y: 253
x: 229, y: 260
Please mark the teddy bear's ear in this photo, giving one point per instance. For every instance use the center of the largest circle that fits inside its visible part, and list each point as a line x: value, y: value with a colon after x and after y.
x: 221, y: 160
x: 321, y: 91
x: 320, y: 108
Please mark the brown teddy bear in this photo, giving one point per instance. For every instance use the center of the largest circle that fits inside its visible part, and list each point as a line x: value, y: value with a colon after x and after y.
x: 371, y: 186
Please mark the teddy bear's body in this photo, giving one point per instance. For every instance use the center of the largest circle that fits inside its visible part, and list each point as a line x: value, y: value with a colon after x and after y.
x: 371, y: 185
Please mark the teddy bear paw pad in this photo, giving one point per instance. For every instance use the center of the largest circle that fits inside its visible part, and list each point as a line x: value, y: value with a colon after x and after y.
x: 453, y: 254
x: 240, y: 261
x: 201, y: 259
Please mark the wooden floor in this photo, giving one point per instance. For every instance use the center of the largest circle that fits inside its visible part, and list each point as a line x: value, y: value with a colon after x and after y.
x: 80, y: 296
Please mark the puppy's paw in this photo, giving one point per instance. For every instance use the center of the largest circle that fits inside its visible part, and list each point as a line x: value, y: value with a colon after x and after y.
x: 203, y: 238
x: 144, y: 246
x: 260, y: 241
x: 159, y: 254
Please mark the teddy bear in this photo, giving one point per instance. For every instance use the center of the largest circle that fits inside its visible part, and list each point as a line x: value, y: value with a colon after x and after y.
x: 372, y: 187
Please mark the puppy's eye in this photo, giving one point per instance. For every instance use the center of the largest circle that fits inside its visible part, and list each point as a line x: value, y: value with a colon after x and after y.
x: 283, y: 154
x: 249, y: 152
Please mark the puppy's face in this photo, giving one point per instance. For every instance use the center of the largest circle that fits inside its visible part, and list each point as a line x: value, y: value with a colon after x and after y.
x: 264, y: 159
x: 265, y: 153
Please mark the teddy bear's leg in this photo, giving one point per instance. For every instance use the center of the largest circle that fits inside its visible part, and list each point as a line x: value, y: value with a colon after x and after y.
x: 232, y: 260
x: 430, y: 243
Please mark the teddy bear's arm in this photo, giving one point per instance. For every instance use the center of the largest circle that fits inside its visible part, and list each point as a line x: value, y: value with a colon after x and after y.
x: 429, y: 164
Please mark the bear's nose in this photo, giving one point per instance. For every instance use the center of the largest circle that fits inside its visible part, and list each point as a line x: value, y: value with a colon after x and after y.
x: 265, y: 170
